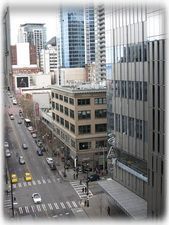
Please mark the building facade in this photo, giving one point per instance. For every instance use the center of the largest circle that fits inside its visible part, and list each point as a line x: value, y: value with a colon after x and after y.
x: 34, y: 33
x: 134, y: 45
x: 79, y: 121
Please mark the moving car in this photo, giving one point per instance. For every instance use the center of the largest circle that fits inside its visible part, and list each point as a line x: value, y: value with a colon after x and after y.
x: 49, y: 161
x: 21, y: 160
x: 24, y: 146
x: 39, y: 152
x: 52, y: 166
x: 6, y: 144
x: 7, y: 153
x: 19, y: 121
x: 14, y: 178
x: 27, y: 176
x: 14, y: 102
x: 34, y: 135
x: 36, y: 198
x: 93, y: 177
x: 30, y: 128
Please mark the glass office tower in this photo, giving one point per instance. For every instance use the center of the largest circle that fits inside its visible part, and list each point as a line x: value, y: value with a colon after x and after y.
x: 135, y: 47
x: 72, y: 40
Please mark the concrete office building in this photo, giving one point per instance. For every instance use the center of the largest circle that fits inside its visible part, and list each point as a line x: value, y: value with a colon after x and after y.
x: 135, y: 57
x: 79, y: 121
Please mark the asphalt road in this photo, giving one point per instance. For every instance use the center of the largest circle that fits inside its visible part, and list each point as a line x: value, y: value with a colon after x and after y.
x: 59, y: 200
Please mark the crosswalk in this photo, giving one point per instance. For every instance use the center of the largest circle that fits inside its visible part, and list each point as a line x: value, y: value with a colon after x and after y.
x: 79, y: 187
x: 44, y: 207
x: 35, y: 182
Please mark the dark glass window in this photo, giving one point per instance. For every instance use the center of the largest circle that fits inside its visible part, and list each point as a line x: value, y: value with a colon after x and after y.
x: 56, y: 96
x: 65, y: 99
x: 145, y: 91
x: 84, y: 101
x: 117, y: 122
x: 62, y: 121
x: 84, y: 145
x: 72, y: 128
x: 84, y: 115
x: 61, y: 108
x: 124, y: 124
x: 61, y: 97
x: 100, y: 113
x: 117, y: 88
x: 72, y: 114
x: 86, y: 129
x: 66, y: 111
x: 99, y: 101
x: 131, y: 126
x: 71, y: 101
x: 52, y: 95
x: 67, y: 124
x: 101, y: 127
x: 57, y: 118
x: 57, y: 106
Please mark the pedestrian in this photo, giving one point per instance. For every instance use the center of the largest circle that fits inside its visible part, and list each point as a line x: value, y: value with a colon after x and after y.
x: 85, y: 203
x: 108, y: 210
x: 77, y: 176
x: 83, y: 189
x: 74, y: 176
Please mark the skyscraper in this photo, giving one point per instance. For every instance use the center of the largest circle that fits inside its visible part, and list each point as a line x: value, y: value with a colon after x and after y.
x: 34, y: 33
x: 135, y: 61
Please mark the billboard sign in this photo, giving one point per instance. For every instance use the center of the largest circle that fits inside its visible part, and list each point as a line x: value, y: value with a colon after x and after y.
x: 22, y: 82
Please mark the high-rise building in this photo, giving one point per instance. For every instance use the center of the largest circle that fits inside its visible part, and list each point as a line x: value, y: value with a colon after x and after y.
x: 89, y: 34
x: 34, y: 33
x: 134, y: 43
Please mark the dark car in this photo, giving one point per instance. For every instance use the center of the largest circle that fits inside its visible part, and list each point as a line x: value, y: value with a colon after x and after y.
x: 39, y: 152
x: 52, y: 166
x: 93, y: 177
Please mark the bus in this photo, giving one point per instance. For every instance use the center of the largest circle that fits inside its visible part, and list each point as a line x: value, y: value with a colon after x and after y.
x: 27, y: 122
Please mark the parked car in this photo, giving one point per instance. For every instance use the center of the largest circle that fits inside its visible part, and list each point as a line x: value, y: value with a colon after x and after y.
x: 12, y: 117
x: 21, y: 160
x: 19, y: 121
x: 14, y: 178
x: 39, y: 152
x: 6, y: 144
x: 36, y: 198
x: 52, y: 166
x: 24, y: 146
x: 93, y: 177
x: 7, y: 153
x: 34, y: 135
x: 30, y: 128
x: 49, y: 161
x: 27, y: 176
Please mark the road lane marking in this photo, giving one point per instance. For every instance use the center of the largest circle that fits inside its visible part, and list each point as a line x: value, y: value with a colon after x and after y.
x: 20, y: 210
x: 56, y: 205
x: 50, y: 206
x: 67, y: 213
x: 62, y: 204
x: 33, y: 208
x: 69, y: 205
x: 74, y: 204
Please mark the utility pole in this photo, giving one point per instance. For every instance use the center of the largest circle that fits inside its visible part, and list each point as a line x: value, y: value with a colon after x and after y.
x: 12, y: 200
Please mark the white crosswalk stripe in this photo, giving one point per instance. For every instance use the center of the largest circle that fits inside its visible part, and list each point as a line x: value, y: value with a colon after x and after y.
x: 74, y: 204
x: 19, y: 185
x: 26, y: 209
x: 48, y: 180
x: 56, y: 205
x: 39, y: 182
x: 78, y: 188
x: 63, y: 206
x: 69, y: 205
x: 20, y: 210
x: 29, y: 184
x: 44, y: 207
x: 50, y: 206
x: 33, y: 208
x: 33, y: 182
x: 24, y: 184
x: 38, y: 208
x: 43, y: 181
x: 14, y: 185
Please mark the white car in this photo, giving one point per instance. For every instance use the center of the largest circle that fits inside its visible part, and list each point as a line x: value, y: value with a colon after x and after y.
x: 6, y: 145
x: 30, y: 128
x: 49, y: 160
x: 34, y: 135
x: 36, y: 198
x: 7, y: 153
x: 12, y: 117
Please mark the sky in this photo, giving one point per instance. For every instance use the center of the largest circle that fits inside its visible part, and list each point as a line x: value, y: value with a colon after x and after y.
x: 21, y: 15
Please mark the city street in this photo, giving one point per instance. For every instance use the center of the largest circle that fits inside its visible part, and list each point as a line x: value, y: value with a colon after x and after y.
x: 58, y: 197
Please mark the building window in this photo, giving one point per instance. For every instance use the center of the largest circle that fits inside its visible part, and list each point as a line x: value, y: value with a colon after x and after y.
x: 71, y: 101
x: 123, y: 89
x: 131, y: 89
x: 100, y: 113
x: 72, y: 128
x: 124, y: 124
x: 67, y: 124
x: 57, y: 106
x: 99, y: 101
x: 139, y: 129
x: 62, y: 121
x: 66, y: 111
x: 117, y: 122
x: 73, y: 144
x: 72, y: 114
x: 61, y: 108
x: 101, y: 127
x: 57, y: 118
x: 53, y: 105
x: 145, y: 91
x: 84, y: 115
x: 86, y: 129
x: 53, y: 116
x: 56, y: 96
x: 101, y: 143
x: 84, y: 145
x: 61, y: 97
x: 65, y: 99
x: 52, y: 95
x: 84, y: 101
x: 131, y: 126
x: 117, y: 88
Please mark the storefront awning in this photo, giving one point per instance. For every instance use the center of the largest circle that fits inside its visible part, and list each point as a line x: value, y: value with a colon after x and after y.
x: 129, y: 202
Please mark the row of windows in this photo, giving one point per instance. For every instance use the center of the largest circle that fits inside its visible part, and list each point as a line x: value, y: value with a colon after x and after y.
x: 87, y: 145
x: 129, y: 89
x: 79, y: 101
x: 127, y: 125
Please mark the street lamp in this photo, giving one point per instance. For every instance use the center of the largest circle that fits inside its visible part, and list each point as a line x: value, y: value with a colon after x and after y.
x: 64, y: 172
x: 87, y: 186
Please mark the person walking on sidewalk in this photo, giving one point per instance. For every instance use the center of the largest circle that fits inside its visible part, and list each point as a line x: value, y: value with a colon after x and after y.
x: 108, y: 210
